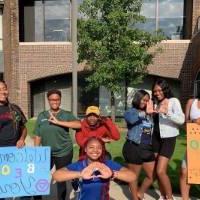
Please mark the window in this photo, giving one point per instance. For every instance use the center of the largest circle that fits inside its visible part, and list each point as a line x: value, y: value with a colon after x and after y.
x: 99, y: 97
x: 39, y: 89
x: 171, y: 16
x: 86, y: 98
x: 166, y: 15
x: 149, y: 11
x: 44, y: 20
x: 1, y: 43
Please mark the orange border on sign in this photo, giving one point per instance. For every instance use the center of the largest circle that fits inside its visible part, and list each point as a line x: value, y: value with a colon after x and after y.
x: 193, y: 153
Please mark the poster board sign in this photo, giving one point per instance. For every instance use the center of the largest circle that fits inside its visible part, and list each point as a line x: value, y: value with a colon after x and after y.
x: 24, y: 171
x: 193, y: 153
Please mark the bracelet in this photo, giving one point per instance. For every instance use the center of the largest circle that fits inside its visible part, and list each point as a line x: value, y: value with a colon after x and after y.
x: 115, y: 174
x: 80, y: 178
x: 112, y: 176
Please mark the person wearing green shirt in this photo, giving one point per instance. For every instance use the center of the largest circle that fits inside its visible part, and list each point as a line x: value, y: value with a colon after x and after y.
x: 56, y: 136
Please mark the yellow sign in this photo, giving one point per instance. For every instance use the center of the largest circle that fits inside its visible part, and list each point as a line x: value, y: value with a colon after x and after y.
x: 193, y: 153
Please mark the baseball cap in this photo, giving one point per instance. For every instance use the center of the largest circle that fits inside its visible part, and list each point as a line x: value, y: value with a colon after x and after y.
x: 93, y: 109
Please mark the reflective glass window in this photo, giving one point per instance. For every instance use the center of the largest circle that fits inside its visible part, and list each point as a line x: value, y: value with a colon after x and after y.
x: 165, y: 15
x: 45, y: 20
x: 1, y: 43
x: 171, y: 17
x: 148, y: 10
x: 57, y: 20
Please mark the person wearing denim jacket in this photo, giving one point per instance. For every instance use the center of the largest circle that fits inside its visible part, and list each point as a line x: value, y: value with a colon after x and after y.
x: 137, y: 150
x: 135, y: 120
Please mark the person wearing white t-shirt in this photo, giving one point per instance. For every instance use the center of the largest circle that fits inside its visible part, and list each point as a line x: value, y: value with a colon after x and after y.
x: 192, y: 115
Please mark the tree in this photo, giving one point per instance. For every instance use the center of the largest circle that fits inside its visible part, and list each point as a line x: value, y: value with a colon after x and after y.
x: 113, y: 48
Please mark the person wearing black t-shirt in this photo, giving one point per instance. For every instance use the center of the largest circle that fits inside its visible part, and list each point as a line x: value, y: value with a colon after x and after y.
x: 12, y: 122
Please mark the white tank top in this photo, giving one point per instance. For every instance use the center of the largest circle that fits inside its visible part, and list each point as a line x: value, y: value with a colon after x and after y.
x: 194, y: 110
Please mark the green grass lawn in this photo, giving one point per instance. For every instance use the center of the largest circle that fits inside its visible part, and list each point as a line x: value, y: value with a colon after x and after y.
x: 30, y: 126
x: 115, y: 148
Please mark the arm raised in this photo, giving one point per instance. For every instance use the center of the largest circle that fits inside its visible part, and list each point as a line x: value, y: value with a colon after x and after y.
x: 68, y: 124
x: 64, y: 174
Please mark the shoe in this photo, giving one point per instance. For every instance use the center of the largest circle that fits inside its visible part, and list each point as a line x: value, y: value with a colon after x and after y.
x: 141, y: 199
x: 161, y: 198
x: 172, y: 198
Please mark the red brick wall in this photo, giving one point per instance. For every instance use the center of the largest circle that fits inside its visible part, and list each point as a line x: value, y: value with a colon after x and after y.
x: 175, y: 61
x: 170, y: 58
x: 196, y: 56
x: 10, y: 46
x: 196, y: 14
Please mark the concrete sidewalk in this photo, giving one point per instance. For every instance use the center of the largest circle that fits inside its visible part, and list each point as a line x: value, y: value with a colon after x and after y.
x: 117, y: 191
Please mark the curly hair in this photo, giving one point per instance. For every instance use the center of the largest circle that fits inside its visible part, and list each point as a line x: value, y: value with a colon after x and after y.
x: 54, y: 91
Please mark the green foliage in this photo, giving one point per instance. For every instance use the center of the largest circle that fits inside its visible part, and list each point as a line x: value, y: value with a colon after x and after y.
x: 113, y: 48
x: 30, y: 125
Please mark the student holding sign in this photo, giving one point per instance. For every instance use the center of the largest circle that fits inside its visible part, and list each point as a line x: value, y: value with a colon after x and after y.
x: 12, y: 121
x: 94, y: 172
x: 167, y: 119
x: 192, y: 115
x: 56, y: 136
x: 137, y: 150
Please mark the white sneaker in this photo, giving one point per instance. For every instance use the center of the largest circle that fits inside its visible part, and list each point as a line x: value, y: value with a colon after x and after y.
x: 161, y: 198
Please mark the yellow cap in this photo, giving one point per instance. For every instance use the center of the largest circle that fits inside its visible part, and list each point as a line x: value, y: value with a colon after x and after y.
x: 93, y: 109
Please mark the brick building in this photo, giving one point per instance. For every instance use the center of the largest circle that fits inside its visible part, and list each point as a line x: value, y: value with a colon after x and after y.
x: 38, y: 52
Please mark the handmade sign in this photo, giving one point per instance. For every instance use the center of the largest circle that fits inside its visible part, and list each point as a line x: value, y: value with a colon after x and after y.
x: 193, y: 153
x: 25, y: 171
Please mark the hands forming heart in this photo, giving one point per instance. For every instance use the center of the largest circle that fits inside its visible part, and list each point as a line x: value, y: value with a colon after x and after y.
x: 96, y: 169
x: 149, y: 107
x: 163, y: 107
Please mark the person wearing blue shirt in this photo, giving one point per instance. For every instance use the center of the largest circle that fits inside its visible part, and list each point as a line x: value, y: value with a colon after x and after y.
x: 94, y: 172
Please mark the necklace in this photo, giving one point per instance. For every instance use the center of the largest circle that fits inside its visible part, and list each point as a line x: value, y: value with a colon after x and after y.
x: 54, y: 113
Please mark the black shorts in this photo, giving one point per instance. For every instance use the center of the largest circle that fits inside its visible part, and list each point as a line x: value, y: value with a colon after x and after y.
x: 137, y: 153
x: 164, y: 146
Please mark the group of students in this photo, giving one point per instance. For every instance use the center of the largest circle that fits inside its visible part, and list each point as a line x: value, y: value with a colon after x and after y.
x: 153, y: 125
x: 52, y: 129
